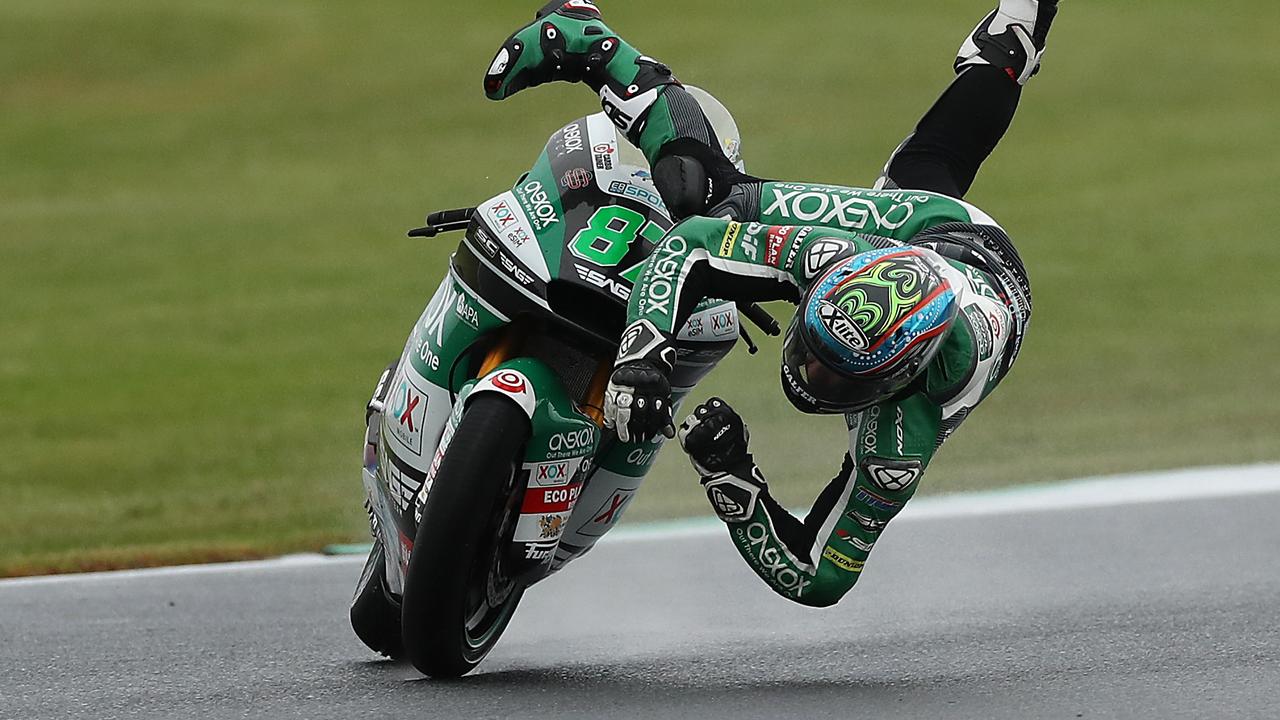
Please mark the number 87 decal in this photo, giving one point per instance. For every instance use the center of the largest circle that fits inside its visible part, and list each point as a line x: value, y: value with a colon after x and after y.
x: 608, y: 236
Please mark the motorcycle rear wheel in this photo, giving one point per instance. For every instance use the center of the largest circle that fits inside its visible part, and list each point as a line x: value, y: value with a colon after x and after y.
x: 457, y: 601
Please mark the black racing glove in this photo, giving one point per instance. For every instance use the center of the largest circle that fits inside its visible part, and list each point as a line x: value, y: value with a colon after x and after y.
x: 637, y: 402
x: 716, y: 440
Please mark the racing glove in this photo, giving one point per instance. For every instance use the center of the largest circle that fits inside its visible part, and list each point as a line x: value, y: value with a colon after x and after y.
x: 637, y: 402
x: 715, y: 437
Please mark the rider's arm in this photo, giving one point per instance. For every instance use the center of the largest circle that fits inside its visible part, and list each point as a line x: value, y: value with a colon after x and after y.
x: 817, y: 560
x: 709, y: 257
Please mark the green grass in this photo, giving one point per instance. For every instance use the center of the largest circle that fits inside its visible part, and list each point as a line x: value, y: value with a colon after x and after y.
x: 202, y: 267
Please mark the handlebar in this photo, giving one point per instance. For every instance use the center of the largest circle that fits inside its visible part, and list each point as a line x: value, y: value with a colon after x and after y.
x: 443, y: 222
x: 761, y: 319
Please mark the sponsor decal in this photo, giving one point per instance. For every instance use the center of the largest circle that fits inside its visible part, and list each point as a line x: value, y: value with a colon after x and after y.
x: 487, y: 244
x: 869, y: 432
x: 798, y: 389
x: 641, y: 457
x: 770, y: 561
x: 842, y: 327
x: 724, y: 323
x: 518, y: 237
x: 981, y: 331
x: 553, y: 474
x: 730, y: 239
x: 855, y: 541
x: 516, y: 272
x: 657, y: 296
x: 553, y: 500
x: 466, y: 312
x: 573, y: 139
x: 979, y: 283
x: 869, y: 498
x: 795, y: 248
x: 774, y: 242
x: 500, y: 62
x: 821, y: 255
x: 551, y: 525
x: 643, y: 175
x: 502, y: 215
x: 630, y: 338
x: 835, y: 207
x: 842, y: 561
x: 644, y: 195
x: 623, y: 112
x: 725, y: 506
x: 572, y: 440
x: 577, y: 178
x: 693, y: 328
x: 535, y: 199
x: 613, y: 286
x: 893, y: 475
x: 867, y: 522
x: 611, y: 510
x: 538, y: 551
x: 997, y: 319
x: 603, y: 156
x: 511, y: 382
x: 409, y: 414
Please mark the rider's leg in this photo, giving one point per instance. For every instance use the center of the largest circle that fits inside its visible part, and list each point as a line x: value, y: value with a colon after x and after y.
x: 964, y: 126
x: 569, y: 41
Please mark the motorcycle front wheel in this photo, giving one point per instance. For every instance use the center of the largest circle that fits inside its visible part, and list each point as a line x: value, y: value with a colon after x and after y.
x: 457, y: 599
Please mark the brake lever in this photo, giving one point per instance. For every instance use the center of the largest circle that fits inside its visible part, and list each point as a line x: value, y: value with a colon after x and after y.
x: 443, y: 222
x: 761, y: 319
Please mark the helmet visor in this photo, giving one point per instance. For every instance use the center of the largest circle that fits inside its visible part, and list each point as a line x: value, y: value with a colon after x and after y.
x: 827, y: 390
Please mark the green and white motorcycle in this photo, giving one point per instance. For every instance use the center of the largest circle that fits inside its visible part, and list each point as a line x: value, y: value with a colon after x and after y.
x: 486, y: 464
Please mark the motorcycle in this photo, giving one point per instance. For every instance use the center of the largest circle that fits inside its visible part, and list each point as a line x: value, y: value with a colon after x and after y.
x: 487, y: 467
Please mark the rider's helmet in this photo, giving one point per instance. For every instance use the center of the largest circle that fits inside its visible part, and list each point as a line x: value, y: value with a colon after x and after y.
x: 866, y: 329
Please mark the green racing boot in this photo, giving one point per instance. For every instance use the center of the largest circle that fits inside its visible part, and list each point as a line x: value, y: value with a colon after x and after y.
x: 568, y: 41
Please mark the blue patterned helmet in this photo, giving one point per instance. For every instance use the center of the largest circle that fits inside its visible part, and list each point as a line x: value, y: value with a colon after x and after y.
x: 866, y: 328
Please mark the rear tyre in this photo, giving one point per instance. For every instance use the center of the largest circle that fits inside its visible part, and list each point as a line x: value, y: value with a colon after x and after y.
x: 457, y: 599
x: 375, y: 616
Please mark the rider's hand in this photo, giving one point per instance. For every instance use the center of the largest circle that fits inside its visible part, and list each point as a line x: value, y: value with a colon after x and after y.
x: 715, y: 438
x: 638, y: 402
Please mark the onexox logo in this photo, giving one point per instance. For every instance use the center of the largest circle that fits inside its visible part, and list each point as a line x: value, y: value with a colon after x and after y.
x: 574, y: 440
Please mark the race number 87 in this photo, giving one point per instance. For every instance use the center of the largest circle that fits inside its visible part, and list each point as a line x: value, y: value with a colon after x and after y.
x: 609, y: 234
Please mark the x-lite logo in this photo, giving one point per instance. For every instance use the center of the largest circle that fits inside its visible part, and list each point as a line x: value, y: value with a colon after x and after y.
x: 411, y: 403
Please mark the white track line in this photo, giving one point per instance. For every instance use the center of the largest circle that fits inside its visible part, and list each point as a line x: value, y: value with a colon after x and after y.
x: 1114, y: 491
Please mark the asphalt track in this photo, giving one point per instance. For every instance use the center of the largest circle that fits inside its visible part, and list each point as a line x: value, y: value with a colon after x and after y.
x: 1067, y: 603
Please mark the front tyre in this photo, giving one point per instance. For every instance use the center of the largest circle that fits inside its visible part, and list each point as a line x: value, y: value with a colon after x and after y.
x: 457, y: 599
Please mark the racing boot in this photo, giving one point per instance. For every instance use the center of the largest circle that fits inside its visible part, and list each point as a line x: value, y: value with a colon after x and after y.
x: 568, y: 41
x: 1011, y: 38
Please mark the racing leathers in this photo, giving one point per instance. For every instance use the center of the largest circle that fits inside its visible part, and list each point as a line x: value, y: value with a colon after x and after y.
x: 762, y: 241
x: 817, y: 560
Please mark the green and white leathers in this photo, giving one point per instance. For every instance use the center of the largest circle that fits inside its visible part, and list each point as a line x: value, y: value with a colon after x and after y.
x: 789, y: 232
x: 890, y: 444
